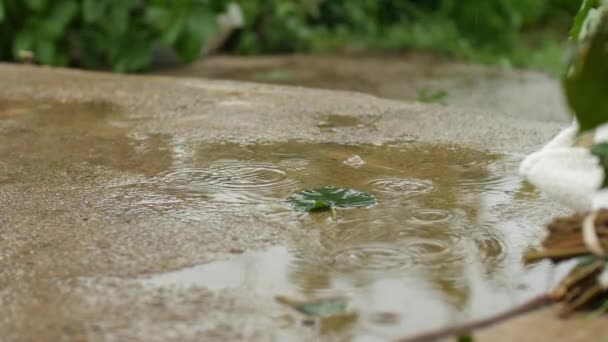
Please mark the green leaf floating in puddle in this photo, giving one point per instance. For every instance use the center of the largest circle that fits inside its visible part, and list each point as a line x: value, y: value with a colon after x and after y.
x: 329, y: 197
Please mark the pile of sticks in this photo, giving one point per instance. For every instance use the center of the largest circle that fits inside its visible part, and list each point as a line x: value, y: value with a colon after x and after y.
x: 582, y: 237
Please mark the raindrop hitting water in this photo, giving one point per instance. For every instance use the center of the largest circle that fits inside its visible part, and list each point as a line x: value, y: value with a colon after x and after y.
x: 228, y: 175
x: 402, y: 186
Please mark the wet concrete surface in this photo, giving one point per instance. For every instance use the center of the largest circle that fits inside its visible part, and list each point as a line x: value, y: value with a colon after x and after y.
x: 150, y: 208
x: 410, y: 77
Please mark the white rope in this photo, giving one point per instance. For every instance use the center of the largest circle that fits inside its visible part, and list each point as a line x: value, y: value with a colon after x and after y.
x: 603, y: 278
x: 590, y: 235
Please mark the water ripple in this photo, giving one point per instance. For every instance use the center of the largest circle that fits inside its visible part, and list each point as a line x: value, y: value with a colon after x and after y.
x: 431, y: 215
x: 410, y: 186
x: 228, y: 175
x: 370, y: 257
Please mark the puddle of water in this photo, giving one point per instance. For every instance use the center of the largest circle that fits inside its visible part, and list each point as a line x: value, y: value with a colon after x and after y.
x: 442, y: 245
x: 43, y: 138
x: 263, y: 272
x: 448, y: 222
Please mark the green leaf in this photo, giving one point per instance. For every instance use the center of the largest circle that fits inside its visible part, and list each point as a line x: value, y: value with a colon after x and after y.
x: 157, y: 16
x: 319, y: 308
x: 59, y: 17
x: 45, y: 52
x: 1, y: 11
x: 134, y: 52
x: 172, y: 31
x: 585, y: 83
x: 329, y: 197
x: 580, y: 18
x: 36, y: 5
x: 198, y: 27
x: 118, y: 20
x: 93, y: 10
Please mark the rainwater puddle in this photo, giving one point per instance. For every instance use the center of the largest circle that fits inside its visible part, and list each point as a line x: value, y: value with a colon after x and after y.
x: 442, y: 245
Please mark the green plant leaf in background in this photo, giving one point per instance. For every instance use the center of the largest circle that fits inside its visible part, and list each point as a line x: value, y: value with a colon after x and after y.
x: 93, y: 10
x: 487, y: 31
x: 2, y: 11
x: 197, y: 28
x: 586, y: 80
x: 429, y: 96
x: 580, y: 18
x: 185, y: 26
x: 23, y: 41
x: 36, y: 5
x: 329, y: 197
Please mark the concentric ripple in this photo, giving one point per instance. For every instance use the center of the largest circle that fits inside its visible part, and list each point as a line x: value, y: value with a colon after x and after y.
x: 228, y: 175
x: 431, y: 215
x: 406, y: 253
x: 483, y: 183
x: 370, y: 257
x: 410, y: 186
x: 427, y: 252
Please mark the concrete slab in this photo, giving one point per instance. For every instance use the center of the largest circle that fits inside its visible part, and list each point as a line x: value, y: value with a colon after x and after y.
x: 93, y: 205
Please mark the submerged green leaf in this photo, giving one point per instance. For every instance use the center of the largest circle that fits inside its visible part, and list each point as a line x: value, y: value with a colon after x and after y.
x: 329, y: 197
x: 318, y: 308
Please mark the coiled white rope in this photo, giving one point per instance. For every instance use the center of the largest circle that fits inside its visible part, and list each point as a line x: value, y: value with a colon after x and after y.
x: 590, y: 237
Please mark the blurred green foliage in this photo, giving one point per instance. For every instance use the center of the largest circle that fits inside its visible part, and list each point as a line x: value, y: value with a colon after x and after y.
x: 121, y: 34
x: 516, y: 32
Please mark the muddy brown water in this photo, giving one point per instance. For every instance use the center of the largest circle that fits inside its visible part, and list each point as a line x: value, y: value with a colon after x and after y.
x: 442, y: 245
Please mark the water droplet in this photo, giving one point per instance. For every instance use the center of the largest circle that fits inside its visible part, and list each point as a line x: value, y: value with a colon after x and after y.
x: 354, y: 161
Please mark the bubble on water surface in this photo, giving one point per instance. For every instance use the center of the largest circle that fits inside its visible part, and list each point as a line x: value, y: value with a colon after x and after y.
x: 354, y: 161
